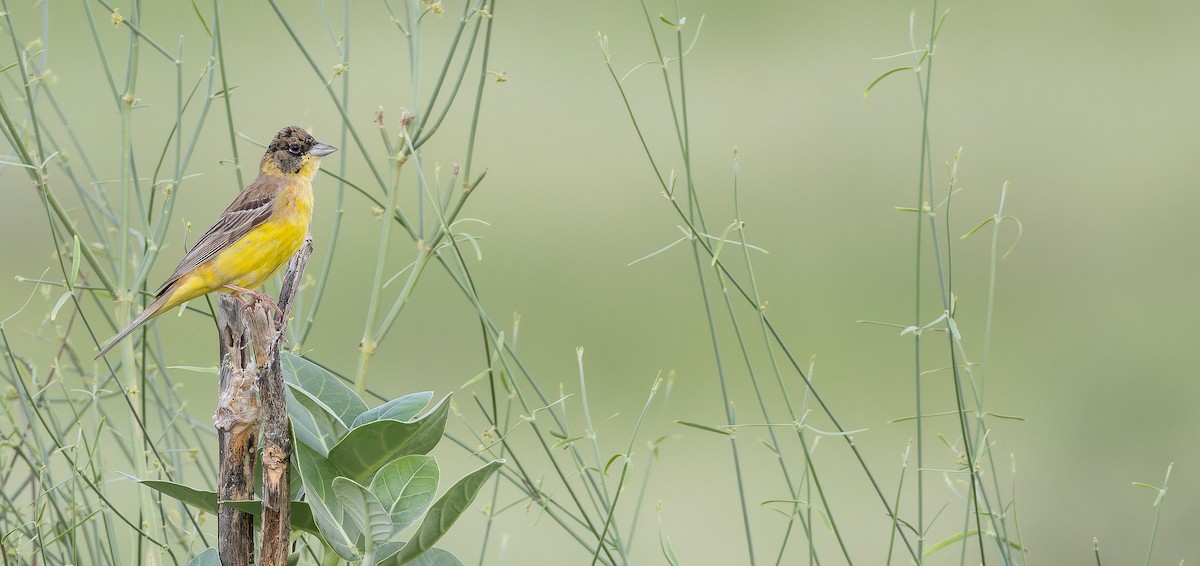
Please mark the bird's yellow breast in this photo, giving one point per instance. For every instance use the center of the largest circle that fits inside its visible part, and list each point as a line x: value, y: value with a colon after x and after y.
x: 253, y: 259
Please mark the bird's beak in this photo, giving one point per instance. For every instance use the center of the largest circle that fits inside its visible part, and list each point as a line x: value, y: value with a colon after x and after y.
x: 322, y: 149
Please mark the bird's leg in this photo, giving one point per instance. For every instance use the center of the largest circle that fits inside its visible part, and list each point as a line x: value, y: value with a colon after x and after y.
x: 254, y: 296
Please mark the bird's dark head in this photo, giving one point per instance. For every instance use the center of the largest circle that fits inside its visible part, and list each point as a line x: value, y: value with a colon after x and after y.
x: 294, y: 151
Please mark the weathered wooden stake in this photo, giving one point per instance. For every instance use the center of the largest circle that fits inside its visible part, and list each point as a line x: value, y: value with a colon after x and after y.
x: 277, y: 438
x: 252, y: 390
x: 237, y: 431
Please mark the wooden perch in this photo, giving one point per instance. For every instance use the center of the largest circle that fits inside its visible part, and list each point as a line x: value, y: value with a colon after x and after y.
x: 252, y: 391
x: 237, y: 432
x: 277, y: 439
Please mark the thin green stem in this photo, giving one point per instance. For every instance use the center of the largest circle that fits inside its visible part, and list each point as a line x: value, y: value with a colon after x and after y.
x: 758, y: 300
x: 335, y: 228
x: 1162, y: 492
x: 341, y: 107
x: 366, y: 347
x: 688, y: 225
x: 225, y: 94
x: 625, y: 467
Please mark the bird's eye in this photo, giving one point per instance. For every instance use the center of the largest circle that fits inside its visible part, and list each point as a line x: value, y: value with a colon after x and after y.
x: 294, y: 149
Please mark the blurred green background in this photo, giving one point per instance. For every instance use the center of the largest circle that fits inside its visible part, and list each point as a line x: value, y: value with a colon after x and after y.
x: 1088, y: 108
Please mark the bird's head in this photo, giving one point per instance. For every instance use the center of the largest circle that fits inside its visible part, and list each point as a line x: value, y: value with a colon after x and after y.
x: 293, y: 150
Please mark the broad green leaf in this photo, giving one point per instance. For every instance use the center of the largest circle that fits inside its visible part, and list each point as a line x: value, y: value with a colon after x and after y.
x: 210, y: 557
x: 339, y: 531
x: 312, y: 423
x: 367, y: 448
x: 332, y: 394
x: 431, y: 557
x: 302, y: 518
x: 406, y: 487
x: 203, y: 500
x: 399, y: 409
x: 295, y: 482
x: 446, y: 510
x: 386, y: 553
x: 364, y: 509
x: 301, y: 515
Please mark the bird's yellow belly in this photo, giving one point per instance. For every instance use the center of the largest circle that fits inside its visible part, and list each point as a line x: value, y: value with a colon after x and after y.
x: 252, y: 260
x: 255, y: 257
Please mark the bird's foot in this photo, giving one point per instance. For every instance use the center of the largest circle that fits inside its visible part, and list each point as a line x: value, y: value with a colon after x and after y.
x: 254, y: 297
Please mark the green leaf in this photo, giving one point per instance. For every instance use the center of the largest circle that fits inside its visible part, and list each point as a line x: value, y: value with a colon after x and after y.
x: 721, y: 242
x: 937, y: 30
x: 211, y: 370
x: 431, y: 557
x: 210, y: 557
x: 1020, y: 230
x: 724, y: 431
x: 323, y: 386
x: 367, y: 448
x: 977, y: 228
x: 399, y: 409
x: 609, y: 464
x: 959, y: 536
x: 867, y: 92
x: 339, y: 531
x: 74, y: 262
x: 200, y: 17
x: 477, y: 377
x: 386, y: 552
x: 61, y: 301
x: 566, y: 441
x: 664, y: 542
x: 203, y: 500
x: 406, y: 488
x: 953, y: 328
x: 446, y: 511
x: 364, y: 509
x: 312, y: 423
x: 302, y: 518
x: 301, y: 515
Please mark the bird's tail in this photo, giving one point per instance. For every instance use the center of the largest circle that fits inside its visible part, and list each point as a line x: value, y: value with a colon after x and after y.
x: 152, y: 310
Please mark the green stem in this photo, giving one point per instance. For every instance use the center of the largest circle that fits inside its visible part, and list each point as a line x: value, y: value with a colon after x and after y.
x: 625, y: 469
x: 367, y: 346
x: 339, y: 207
x: 225, y: 94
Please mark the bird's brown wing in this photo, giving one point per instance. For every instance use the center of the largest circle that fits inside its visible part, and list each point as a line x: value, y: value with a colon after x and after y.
x: 252, y: 207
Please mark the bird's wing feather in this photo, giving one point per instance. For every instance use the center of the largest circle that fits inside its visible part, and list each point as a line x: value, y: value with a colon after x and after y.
x: 252, y: 207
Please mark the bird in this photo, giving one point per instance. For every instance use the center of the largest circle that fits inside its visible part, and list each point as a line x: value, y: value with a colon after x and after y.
x: 259, y: 232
